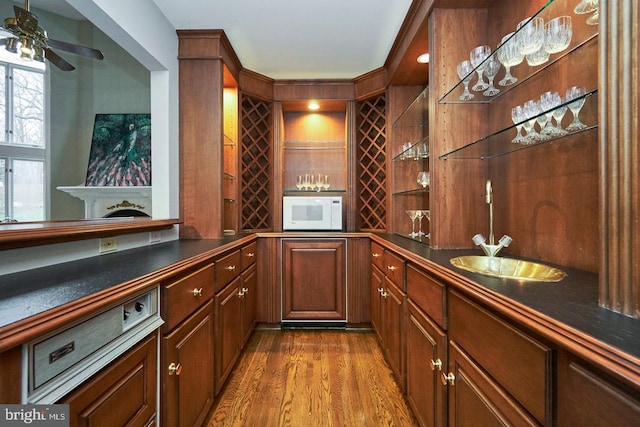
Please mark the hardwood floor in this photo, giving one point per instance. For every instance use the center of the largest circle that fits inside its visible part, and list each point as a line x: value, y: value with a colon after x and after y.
x: 312, y: 378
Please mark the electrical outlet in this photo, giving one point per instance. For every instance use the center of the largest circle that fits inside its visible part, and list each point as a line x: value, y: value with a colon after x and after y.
x: 155, y: 236
x: 108, y: 244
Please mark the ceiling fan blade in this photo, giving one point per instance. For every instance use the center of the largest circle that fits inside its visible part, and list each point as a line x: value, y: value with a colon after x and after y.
x: 77, y: 49
x: 26, y: 20
x: 56, y: 60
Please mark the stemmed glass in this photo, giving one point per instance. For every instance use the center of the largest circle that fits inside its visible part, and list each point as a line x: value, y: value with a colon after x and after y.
x: 423, y: 179
x: 305, y: 181
x: 491, y: 69
x: 575, y: 107
x: 530, y: 35
x: 538, y: 57
x: 594, y: 19
x: 548, y: 102
x: 586, y: 6
x: 420, y: 215
x: 299, y: 183
x: 465, y: 73
x: 557, y: 34
x: 326, y: 183
x: 559, y: 113
x: 413, y: 214
x: 531, y: 110
x: 312, y: 182
x: 319, y: 182
x: 509, y: 55
x: 427, y: 214
x: 518, y: 116
x: 477, y: 56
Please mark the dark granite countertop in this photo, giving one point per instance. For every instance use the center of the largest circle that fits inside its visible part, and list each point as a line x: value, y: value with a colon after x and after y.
x: 572, y: 301
x: 35, y: 291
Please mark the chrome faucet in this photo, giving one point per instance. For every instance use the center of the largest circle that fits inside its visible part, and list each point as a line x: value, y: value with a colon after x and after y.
x: 491, y: 249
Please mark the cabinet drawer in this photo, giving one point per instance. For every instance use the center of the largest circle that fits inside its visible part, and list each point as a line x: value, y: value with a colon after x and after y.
x: 377, y: 253
x: 522, y: 365
x: 182, y: 297
x: 394, y: 269
x: 428, y: 294
x: 227, y: 269
x: 248, y: 255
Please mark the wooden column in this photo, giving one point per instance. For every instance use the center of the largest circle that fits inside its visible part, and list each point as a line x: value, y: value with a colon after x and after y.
x: 619, y: 157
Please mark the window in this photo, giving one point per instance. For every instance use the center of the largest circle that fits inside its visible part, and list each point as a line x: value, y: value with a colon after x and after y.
x: 22, y: 139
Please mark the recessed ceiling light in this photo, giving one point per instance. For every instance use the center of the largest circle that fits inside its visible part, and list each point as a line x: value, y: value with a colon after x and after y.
x: 424, y: 58
x: 313, y: 105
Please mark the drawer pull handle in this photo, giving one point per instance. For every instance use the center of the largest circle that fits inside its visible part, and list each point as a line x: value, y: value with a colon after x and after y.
x: 375, y: 255
x: 251, y: 254
x: 384, y: 294
x: 230, y: 268
x: 197, y: 292
x: 448, y: 379
x: 436, y: 364
x: 241, y: 293
x: 175, y: 369
x: 245, y: 290
x: 391, y: 268
x: 380, y: 290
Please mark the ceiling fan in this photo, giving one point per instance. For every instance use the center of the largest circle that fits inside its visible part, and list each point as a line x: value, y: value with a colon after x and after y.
x: 22, y: 33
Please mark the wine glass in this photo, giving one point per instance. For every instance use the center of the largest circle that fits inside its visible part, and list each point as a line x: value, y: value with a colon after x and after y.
x: 531, y: 111
x: 530, y: 35
x: 305, y: 181
x: 509, y: 55
x: 465, y: 72
x: 548, y: 102
x: 518, y: 117
x: 299, y: 184
x: 594, y: 19
x: 320, y: 181
x: 423, y: 179
x: 413, y: 214
x: 557, y: 34
x: 491, y: 69
x: 477, y: 56
x: 538, y: 57
x: 559, y: 113
x: 586, y: 6
x: 420, y: 215
x: 326, y: 184
x: 312, y: 182
x: 575, y: 107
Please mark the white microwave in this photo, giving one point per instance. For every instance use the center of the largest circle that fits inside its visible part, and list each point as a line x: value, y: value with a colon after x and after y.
x: 311, y: 213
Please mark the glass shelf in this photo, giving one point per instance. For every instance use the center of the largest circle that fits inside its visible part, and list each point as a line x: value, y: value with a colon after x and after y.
x: 412, y: 192
x: 296, y: 191
x: 407, y: 153
x: 582, y: 33
x: 500, y: 143
x: 314, y: 145
x: 416, y: 114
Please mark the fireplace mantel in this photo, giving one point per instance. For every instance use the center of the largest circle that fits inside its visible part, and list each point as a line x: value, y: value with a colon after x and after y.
x: 99, y: 202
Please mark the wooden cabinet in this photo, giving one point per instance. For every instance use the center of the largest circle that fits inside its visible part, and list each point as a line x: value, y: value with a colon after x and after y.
x: 249, y: 301
x: 388, y: 309
x: 496, y: 369
x: 123, y: 393
x: 426, y: 347
x: 587, y: 396
x: 313, y: 283
x: 188, y: 348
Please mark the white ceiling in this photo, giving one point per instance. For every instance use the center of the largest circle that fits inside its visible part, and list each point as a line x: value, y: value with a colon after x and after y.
x: 290, y: 39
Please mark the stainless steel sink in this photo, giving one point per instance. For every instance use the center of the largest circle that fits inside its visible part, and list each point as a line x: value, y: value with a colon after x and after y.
x: 508, y: 268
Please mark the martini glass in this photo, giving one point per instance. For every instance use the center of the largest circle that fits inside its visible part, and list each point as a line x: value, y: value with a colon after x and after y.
x: 413, y: 214
x: 427, y: 214
x: 420, y: 216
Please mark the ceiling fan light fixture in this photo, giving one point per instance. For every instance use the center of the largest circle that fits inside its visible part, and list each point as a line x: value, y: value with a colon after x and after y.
x: 25, y: 48
x: 38, y: 54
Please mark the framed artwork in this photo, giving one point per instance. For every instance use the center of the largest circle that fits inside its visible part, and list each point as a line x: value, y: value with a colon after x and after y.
x: 120, y: 151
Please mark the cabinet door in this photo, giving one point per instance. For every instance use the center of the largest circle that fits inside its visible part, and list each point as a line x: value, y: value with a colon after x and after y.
x: 426, y: 358
x: 476, y: 399
x: 393, y: 329
x: 314, y: 279
x: 124, y: 393
x: 187, y: 370
x: 228, y: 330
x: 377, y: 287
x: 249, y: 283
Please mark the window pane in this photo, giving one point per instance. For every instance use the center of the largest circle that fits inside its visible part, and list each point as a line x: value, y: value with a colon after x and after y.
x: 3, y: 191
x: 28, y: 108
x: 3, y: 104
x: 28, y: 190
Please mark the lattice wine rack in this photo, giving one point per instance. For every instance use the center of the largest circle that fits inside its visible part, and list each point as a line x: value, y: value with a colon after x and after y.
x: 372, y: 158
x: 256, y: 164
